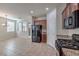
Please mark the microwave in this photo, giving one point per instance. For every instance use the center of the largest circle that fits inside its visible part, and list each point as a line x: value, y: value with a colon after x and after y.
x: 72, y: 21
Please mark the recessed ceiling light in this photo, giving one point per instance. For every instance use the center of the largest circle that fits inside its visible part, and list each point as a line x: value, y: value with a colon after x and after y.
x: 3, y: 24
x: 31, y: 11
x: 47, y: 9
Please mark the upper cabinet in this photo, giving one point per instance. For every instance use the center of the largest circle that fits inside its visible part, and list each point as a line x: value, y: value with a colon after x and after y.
x: 73, y: 7
x: 70, y: 16
x: 66, y: 11
x: 41, y: 22
x: 70, y: 7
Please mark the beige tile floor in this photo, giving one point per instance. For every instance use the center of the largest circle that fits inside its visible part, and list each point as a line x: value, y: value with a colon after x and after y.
x: 25, y: 47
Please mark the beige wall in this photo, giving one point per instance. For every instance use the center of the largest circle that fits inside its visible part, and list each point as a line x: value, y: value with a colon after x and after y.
x: 60, y: 30
x: 3, y: 31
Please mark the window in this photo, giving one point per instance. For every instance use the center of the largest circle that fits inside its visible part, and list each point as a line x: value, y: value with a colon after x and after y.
x: 24, y: 27
x: 20, y: 26
x: 10, y: 26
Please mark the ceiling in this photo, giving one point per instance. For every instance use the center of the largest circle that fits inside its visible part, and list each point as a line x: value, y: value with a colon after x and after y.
x: 22, y: 10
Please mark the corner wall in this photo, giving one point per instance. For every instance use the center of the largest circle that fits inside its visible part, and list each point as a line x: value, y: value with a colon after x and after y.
x: 51, y: 28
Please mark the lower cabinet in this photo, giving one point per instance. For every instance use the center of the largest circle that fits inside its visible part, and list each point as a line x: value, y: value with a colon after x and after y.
x: 44, y: 38
x: 70, y: 52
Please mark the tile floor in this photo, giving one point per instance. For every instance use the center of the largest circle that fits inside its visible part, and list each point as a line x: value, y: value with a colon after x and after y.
x: 25, y: 47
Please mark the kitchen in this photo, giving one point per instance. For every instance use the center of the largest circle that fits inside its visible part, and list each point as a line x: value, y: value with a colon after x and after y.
x: 68, y: 33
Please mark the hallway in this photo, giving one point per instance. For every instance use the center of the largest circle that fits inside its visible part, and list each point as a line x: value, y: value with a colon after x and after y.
x: 24, y: 47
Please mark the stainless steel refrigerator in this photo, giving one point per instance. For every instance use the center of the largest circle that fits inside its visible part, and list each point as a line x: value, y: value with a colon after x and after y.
x: 36, y: 33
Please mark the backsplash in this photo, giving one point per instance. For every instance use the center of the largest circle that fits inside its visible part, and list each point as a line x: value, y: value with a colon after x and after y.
x: 64, y: 37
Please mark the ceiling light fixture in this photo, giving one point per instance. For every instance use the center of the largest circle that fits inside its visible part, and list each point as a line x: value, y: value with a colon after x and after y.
x: 31, y: 11
x: 47, y: 9
x: 3, y: 24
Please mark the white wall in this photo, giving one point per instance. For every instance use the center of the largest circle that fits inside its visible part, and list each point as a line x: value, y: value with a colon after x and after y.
x: 51, y: 28
x: 60, y: 30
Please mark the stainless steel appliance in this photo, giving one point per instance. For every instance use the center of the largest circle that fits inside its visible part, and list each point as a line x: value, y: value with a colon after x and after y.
x: 36, y: 33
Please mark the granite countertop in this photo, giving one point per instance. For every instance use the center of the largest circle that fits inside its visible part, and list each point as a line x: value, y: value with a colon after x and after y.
x: 67, y: 44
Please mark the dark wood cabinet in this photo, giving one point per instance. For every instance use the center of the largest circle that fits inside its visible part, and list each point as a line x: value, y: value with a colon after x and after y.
x: 44, y: 37
x: 41, y: 22
x: 68, y: 15
x: 70, y: 7
x: 70, y: 52
x: 74, y: 6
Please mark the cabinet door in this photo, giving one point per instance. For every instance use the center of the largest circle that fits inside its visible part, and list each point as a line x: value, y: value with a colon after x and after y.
x: 67, y: 11
x: 70, y: 52
x: 44, y: 40
x: 74, y: 6
x: 70, y: 8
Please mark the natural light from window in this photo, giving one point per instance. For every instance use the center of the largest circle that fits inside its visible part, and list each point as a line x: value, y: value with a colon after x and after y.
x: 10, y: 26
